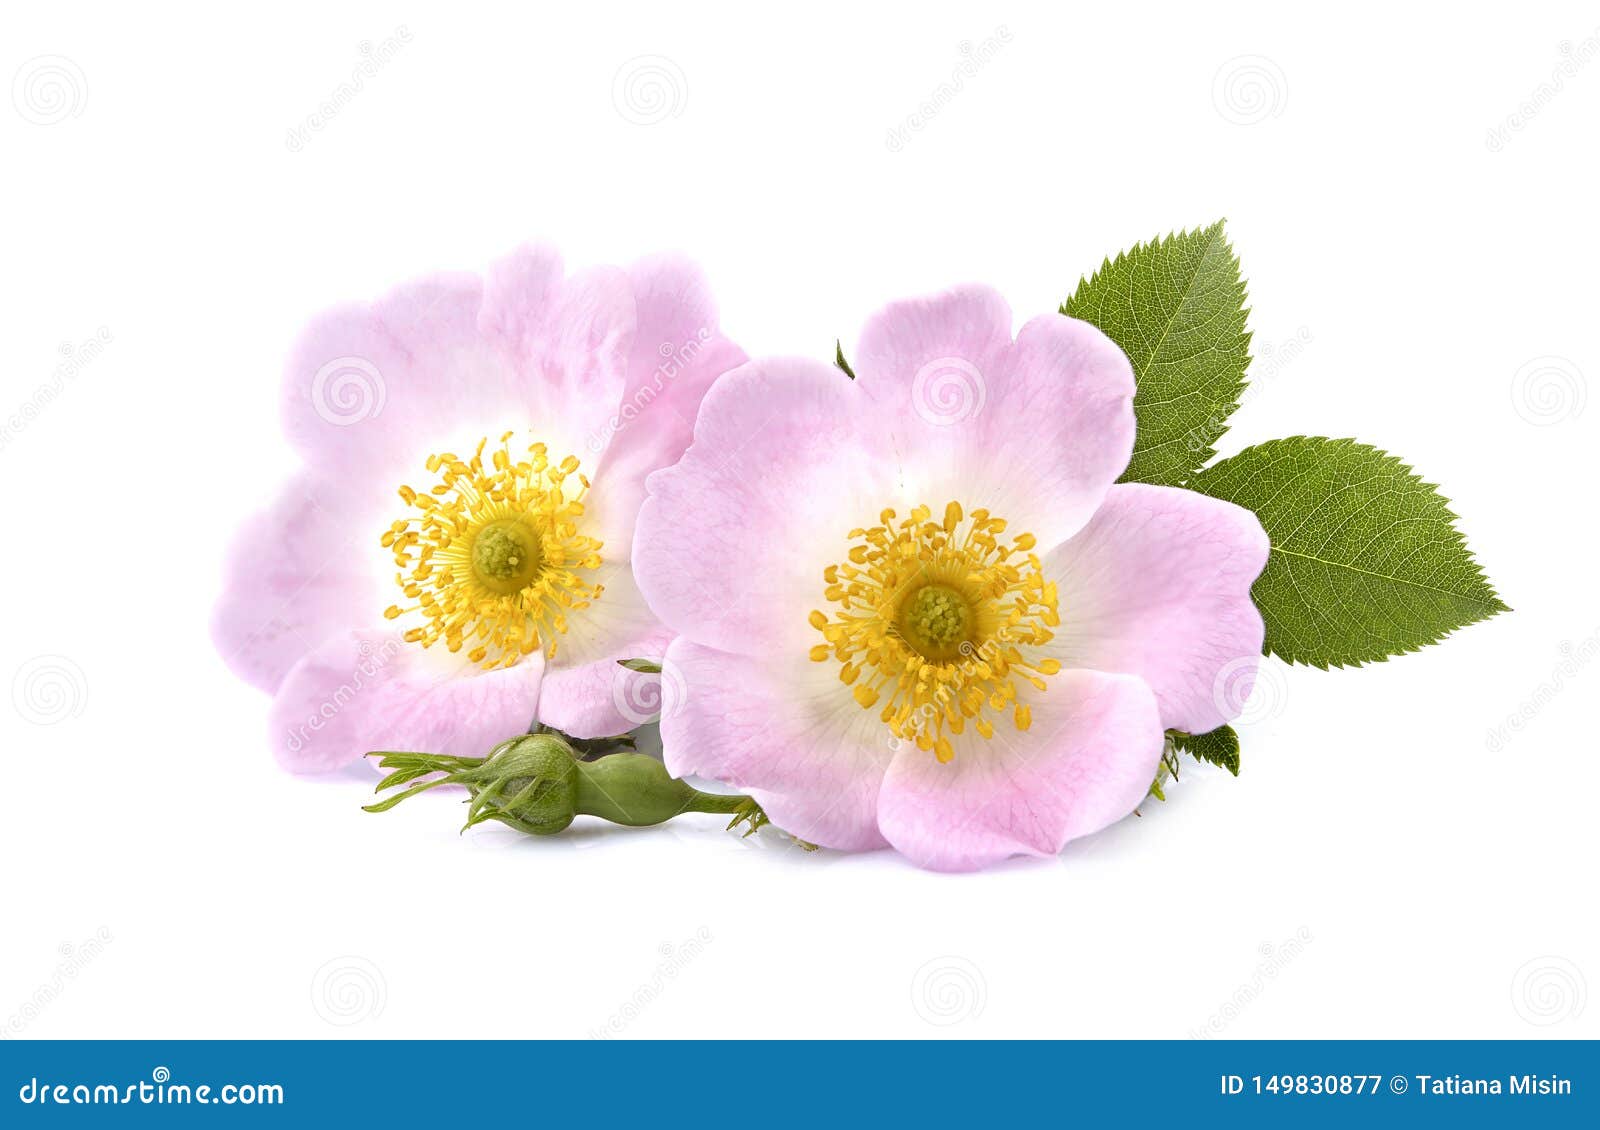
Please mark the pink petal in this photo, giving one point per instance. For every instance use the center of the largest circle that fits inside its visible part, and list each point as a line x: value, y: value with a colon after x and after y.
x: 788, y: 457
x: 731, y: 543
x: 369, y: 690
x: 294, y: 575
x: 370, y: 390
x: 1086, y: 762
x: 572, y: 350
x: 677, y: 352
x: 789, y: 733
x: 1034, y: 431
x: 1158, y: 585
x: 519, y: 291
x: 968, y: 324
x: 602, y: 698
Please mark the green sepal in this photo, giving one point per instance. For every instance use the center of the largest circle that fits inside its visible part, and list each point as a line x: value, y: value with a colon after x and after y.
x: 838, y: 359
x: 537, y: 784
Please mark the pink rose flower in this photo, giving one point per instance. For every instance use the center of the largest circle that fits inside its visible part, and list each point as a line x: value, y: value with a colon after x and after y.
x: 916, y: 609
x: 454, y: 553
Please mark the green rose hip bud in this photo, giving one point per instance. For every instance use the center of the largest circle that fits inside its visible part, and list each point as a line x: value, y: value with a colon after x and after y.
x: 537, y: 784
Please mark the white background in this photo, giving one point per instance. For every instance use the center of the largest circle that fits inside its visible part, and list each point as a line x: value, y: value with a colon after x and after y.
x: 1406, y: 276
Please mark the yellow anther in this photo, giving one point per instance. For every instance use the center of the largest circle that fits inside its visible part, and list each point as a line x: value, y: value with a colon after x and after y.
x: 493, y: 555
x: 942, y: 619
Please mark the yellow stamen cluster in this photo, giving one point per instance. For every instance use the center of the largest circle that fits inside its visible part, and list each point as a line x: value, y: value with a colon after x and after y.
x: 932, y: 619
x: 492, y: 559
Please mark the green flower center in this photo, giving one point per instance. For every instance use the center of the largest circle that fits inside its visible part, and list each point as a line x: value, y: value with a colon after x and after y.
x: 937, y: 620
x: 506, y: 556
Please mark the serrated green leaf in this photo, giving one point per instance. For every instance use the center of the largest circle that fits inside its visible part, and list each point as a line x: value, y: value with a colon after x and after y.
x: 644, y: 666
x: 1366, y: 560
x: 1219, y: 747
x: 1175, y: 306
